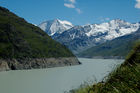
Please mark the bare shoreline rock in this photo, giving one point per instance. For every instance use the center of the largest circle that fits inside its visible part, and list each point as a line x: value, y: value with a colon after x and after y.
x: 36, y: 63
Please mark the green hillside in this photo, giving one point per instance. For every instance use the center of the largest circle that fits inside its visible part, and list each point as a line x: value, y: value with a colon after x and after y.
x: 125, y: 79
x: 19, y: 39
x: 118, y: 47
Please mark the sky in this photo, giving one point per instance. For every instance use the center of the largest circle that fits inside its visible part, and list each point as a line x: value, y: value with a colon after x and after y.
x: 78, y: 12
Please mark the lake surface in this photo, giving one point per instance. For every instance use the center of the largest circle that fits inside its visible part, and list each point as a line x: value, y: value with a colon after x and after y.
x: 56, y: 80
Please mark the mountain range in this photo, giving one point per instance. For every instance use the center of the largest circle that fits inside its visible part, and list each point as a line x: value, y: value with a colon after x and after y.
x: 80, y: 38
x: 116, y: 48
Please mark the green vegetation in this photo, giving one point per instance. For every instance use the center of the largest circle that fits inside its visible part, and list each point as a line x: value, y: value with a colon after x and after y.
x: 125, y: 79
x: 118, y: 47
x: 19, y: 39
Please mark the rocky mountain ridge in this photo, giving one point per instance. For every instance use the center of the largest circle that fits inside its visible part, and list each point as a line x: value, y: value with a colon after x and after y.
x: 80, y: 38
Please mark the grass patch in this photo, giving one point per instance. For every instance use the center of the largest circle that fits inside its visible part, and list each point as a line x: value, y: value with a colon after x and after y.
x: 20, y: 39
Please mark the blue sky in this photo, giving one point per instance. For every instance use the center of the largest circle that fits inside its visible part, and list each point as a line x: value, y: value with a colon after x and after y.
x: 78, y: 12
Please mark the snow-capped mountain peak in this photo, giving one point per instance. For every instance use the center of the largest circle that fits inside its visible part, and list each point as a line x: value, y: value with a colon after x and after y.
x: 65, y: 22
x: 52, y: 27
x: 114, y: 28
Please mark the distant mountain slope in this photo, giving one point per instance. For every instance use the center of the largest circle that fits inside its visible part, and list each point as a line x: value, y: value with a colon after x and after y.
x: 21, y: 40
x: 80, y: 38
x: 55, y: 26
x: 118, y: 47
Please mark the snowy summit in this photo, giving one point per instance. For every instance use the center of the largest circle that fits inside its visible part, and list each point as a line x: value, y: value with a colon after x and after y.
x: 52, y: 27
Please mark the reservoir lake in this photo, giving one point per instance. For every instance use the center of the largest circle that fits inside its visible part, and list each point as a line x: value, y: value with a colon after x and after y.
x: 58, y: 79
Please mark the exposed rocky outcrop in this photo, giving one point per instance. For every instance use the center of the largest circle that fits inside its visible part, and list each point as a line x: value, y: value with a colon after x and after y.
x: 35, y: 63
x: 3, y: 65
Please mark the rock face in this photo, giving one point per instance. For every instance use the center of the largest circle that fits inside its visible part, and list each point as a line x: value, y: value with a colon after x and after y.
x: 36, y: 63
x: 4, y: 65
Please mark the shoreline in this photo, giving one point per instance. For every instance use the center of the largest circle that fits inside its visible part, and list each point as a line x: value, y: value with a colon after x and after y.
x: 37, y: 63
x: 104, y: 57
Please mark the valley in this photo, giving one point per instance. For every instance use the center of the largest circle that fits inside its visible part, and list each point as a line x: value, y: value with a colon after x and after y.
x: 69, y: 46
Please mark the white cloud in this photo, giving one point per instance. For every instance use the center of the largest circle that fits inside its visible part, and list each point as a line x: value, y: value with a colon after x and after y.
x: 69, y: 5
x: 78, y: 10
x: 72, y: 1
x: 137, y: 4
